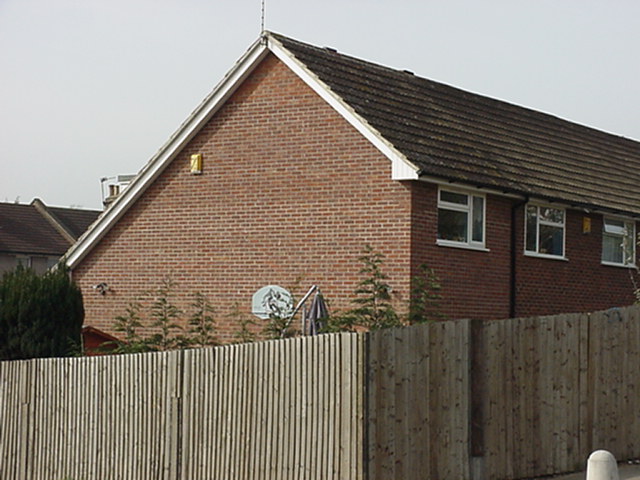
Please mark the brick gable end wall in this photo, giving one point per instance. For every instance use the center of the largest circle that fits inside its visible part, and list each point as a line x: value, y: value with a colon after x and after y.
x: 290, y: 193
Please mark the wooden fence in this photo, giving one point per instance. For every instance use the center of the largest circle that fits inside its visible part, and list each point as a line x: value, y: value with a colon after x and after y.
x: 92, y: 417
x: 290, y: 409
x: 418, y: 391
x: 448, y: 400
x: 550, y: 390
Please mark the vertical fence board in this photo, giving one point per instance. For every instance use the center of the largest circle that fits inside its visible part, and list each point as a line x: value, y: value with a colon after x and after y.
x: 521, y: 364
x: 630, y: 379
x: 233, y: 418
x: 381, y: 435
x: 372, y: 428
x: 493, y: 407
x: 310, y: 434
x: 345, y: 380
x: 584, y: 428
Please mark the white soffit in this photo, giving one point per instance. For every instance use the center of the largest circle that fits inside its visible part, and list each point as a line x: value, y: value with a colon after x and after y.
x: 154, y: 167
x: 402, y: 168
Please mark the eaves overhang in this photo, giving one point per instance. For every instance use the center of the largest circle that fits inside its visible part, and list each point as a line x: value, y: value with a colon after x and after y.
x: 523, y: 194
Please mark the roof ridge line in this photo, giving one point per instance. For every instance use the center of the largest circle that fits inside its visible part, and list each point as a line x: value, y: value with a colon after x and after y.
x: 55, y: 222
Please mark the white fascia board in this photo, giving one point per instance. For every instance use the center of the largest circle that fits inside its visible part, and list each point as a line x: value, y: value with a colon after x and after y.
x: 154, y: 167
x: 401, y: 167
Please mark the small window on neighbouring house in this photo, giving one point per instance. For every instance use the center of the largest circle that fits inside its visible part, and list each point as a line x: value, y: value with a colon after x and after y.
x: 545, y: 230
x: 461, y: 218
x: 618, y: 246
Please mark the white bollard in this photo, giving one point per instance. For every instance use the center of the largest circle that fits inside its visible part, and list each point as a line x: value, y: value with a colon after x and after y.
x: 602, y: 465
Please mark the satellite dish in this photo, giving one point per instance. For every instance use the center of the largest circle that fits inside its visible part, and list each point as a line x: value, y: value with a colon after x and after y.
x: 272, y: 300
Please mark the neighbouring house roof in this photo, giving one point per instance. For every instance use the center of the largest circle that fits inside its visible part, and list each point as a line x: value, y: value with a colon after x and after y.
x: 429, y: 131
x: 75, y: 220
x: 38, y: 229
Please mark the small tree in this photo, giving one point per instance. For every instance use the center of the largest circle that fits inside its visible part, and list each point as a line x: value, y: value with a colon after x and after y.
x: 165, y: 317
x: 424, y: 304
x: 128, y: 324
x: 246, y: 322
x: 202, y: 323
x: 373, y: 303
x: 40, y: 316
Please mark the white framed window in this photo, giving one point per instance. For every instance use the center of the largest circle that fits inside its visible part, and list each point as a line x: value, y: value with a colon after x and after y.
x: 544, y: 231
x: 618, y: 245
x: 461, y: 219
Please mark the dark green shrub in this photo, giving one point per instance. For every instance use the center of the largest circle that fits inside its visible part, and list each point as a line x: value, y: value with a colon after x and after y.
x: 40, y: 316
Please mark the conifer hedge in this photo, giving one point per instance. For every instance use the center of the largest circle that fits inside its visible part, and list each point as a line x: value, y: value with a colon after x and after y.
x: 40, y: 316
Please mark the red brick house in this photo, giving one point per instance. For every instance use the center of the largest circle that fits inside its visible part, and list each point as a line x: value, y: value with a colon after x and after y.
x: 302, y: 155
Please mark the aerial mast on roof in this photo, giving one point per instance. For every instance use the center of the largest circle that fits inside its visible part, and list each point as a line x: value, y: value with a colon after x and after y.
x: 262, y: 18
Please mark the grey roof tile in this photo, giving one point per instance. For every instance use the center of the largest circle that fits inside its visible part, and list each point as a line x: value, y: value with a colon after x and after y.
x: 462, y: 136
x: 24, y: 230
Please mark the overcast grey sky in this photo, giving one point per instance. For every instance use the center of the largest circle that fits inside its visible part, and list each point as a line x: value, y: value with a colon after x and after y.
x: 93, y: 88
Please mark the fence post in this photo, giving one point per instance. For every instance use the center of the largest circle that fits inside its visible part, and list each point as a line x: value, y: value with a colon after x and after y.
x: 366, y: 413
x: 477, y: 392
x: 602, y: 466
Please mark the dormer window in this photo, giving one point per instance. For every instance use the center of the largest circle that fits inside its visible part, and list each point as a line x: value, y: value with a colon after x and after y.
x: 461, y: 219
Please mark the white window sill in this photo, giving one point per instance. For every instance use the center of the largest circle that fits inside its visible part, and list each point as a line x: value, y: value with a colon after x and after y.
x: 631, y: 266
x: 544, y: 255
x: 464, y: 246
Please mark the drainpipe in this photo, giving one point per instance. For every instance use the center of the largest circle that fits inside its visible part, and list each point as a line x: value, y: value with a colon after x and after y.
x: 512, y: 273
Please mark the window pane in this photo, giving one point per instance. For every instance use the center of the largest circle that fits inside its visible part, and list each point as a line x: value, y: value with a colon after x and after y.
x: 629, y: 245
x: 617, y: 227
x: 551, y: 215
x: 550, y: 240
x: 612, y: 249
x: 618, y: 242
x: 452, y: 225
x: 532, y: 224
x: 452, y: 197
x: 478, y: 218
